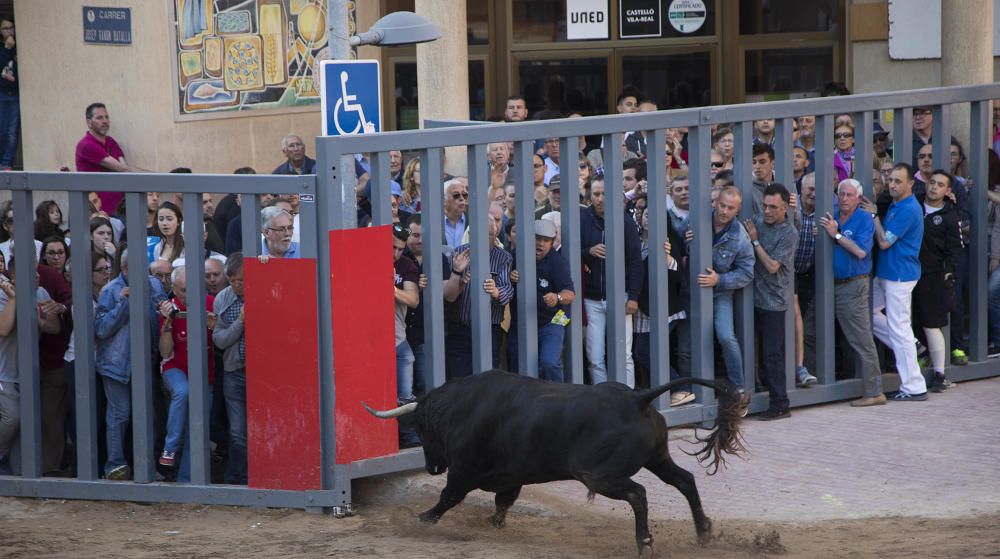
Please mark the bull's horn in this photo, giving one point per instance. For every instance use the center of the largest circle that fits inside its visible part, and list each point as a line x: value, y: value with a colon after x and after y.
x: 395, y: 412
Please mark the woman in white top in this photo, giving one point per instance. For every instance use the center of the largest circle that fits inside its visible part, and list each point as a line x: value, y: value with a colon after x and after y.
x: 169, y: 220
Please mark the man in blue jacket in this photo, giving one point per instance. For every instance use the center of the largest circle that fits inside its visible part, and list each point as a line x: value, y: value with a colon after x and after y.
x: 114, y: 362
x: 732, y: 269
x: 594, y: 288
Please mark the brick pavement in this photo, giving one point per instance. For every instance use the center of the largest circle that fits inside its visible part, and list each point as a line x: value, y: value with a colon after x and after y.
x: 936, y: 458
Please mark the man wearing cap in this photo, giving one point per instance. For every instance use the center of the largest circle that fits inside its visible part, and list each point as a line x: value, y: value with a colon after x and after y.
x: 552, y: 203
x: 555, y: 293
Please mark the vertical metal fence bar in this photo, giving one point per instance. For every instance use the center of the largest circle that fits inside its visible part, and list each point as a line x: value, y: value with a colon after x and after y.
x: 381, y: 192
x: 743, y: 315
x: 783, y: 173
x: 824, y: 298
x: 979, y: 142
x: 941, y: 136
x: 941, y: 154
x: 615, y: 261
x: 141, y: 340
x: 478, y: 217
x: 524, y: 219
x: 26, y: 315
x: 659, y: 310
x: 329, y: 215
x: 85, y: 399
x: 902, y: 135
x: 250, y: 224
x: 197, y: 342
x: 863, y: 129
x: 307, y: 216
x: 700, y: 251
x: 432, y: 208
x: 570, y: 232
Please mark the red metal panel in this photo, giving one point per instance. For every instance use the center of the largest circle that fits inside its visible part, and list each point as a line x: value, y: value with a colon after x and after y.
x: 364, y: 343
x: 283, y: 423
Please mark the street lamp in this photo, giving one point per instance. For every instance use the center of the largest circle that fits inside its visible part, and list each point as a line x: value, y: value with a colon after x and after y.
x: 398, y: 28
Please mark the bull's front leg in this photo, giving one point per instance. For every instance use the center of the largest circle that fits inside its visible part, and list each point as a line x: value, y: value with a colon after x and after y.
x: 504, y: 500
x: 452, y: 494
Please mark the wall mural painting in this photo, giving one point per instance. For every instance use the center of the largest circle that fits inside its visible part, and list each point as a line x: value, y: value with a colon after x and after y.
x: 250, y: 54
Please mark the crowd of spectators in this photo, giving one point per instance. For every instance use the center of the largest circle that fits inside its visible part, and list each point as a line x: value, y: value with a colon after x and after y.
x: 906, y: 246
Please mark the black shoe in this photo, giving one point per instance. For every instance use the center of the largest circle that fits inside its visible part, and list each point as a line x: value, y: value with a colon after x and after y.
x: 904, y: 397
x: 772, y: 414
x: 939, y: 383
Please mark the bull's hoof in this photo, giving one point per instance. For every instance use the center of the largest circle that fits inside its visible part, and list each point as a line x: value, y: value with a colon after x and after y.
x: 429, y: 517
x: 497, y: 521
x: 646, y: 551
x: 705, y: 533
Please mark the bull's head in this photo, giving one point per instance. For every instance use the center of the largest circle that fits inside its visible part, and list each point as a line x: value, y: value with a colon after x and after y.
x: 434, y: 455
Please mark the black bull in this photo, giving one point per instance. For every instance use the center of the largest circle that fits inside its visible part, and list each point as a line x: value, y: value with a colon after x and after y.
x: 498, y: 432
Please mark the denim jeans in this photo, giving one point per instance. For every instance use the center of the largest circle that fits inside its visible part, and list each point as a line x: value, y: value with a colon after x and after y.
x: 10, y: 124
x: 404, y: 372
x: 176, y: 383
x: 117, y: 417
x: 725, y: 334
x: 994, y: 308
x: 595, y: 342
x: 234, y: 388
x: 550, y: 347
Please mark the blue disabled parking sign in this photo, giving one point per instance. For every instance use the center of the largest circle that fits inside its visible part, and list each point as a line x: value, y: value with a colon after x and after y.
x: 351, y: 97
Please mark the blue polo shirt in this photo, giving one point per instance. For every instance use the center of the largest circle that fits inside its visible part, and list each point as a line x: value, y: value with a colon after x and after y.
x: 552, y: 276
x: 860, y: 228
x: 901, y: 262
x: 292, y: 252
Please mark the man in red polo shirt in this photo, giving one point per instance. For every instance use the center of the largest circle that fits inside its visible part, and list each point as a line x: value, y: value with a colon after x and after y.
x: 97, y: 152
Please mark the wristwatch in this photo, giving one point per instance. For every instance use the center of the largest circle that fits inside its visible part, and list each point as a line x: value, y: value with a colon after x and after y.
x: 838, y: 236
x: 755, y: 244
x: 559, y: 298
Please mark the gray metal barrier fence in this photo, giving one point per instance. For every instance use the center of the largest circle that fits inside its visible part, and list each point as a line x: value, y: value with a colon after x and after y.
x: 328, y: 213
x: 430, y: 143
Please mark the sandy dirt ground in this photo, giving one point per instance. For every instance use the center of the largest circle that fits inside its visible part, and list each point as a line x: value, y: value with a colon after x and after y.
x: 384, y: 525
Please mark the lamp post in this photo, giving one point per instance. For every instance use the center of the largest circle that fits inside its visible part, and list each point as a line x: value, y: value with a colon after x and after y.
x: 396, y: 28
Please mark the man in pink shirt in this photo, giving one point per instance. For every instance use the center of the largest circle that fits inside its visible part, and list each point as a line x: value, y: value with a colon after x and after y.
x: 97, y: 152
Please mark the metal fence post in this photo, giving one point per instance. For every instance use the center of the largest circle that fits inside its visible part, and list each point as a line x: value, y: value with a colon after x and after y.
x: 329, y: 216
x: 26, y: 314
x: 569, y: 215
x: 432, y: 208
x: 979, y: 142
x: 700, y: 258
x: 480, y: 301
x: 824, y: 298
x: 659, y: 309
x: 785, y: 176
x: 743, y: 315
x: 615, y: 261
x: 381, y: 192
x: 902, y: 135
x: 524, y: 219
x: 85, y: 400
x: 141, y: 340
x: 199, y: 388
x: 250, y: 225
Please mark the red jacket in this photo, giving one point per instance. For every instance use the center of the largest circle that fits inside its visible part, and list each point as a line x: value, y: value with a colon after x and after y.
x: 179, y: 360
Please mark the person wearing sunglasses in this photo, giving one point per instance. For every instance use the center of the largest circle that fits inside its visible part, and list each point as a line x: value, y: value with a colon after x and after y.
x: 843, y: 155
x: 456, y: 202
x: 923, y: 127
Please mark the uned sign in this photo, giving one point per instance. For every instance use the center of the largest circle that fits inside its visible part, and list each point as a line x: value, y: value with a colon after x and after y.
x: 586, y: 19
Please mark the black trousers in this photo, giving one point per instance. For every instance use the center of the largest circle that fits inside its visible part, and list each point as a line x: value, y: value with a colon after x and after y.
x: 771, y: 325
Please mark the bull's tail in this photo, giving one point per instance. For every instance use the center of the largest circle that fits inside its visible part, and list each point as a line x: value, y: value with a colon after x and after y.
x: 726, y: 437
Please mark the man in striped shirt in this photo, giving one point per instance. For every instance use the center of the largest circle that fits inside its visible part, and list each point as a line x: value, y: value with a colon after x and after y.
x: 458, y: 315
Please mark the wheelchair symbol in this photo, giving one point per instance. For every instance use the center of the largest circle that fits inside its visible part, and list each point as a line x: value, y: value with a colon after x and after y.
x: 347, y: 103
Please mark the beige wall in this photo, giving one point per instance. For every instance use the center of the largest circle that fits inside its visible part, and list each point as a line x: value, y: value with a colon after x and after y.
x: 871, y: 70
x: 60, y: 75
